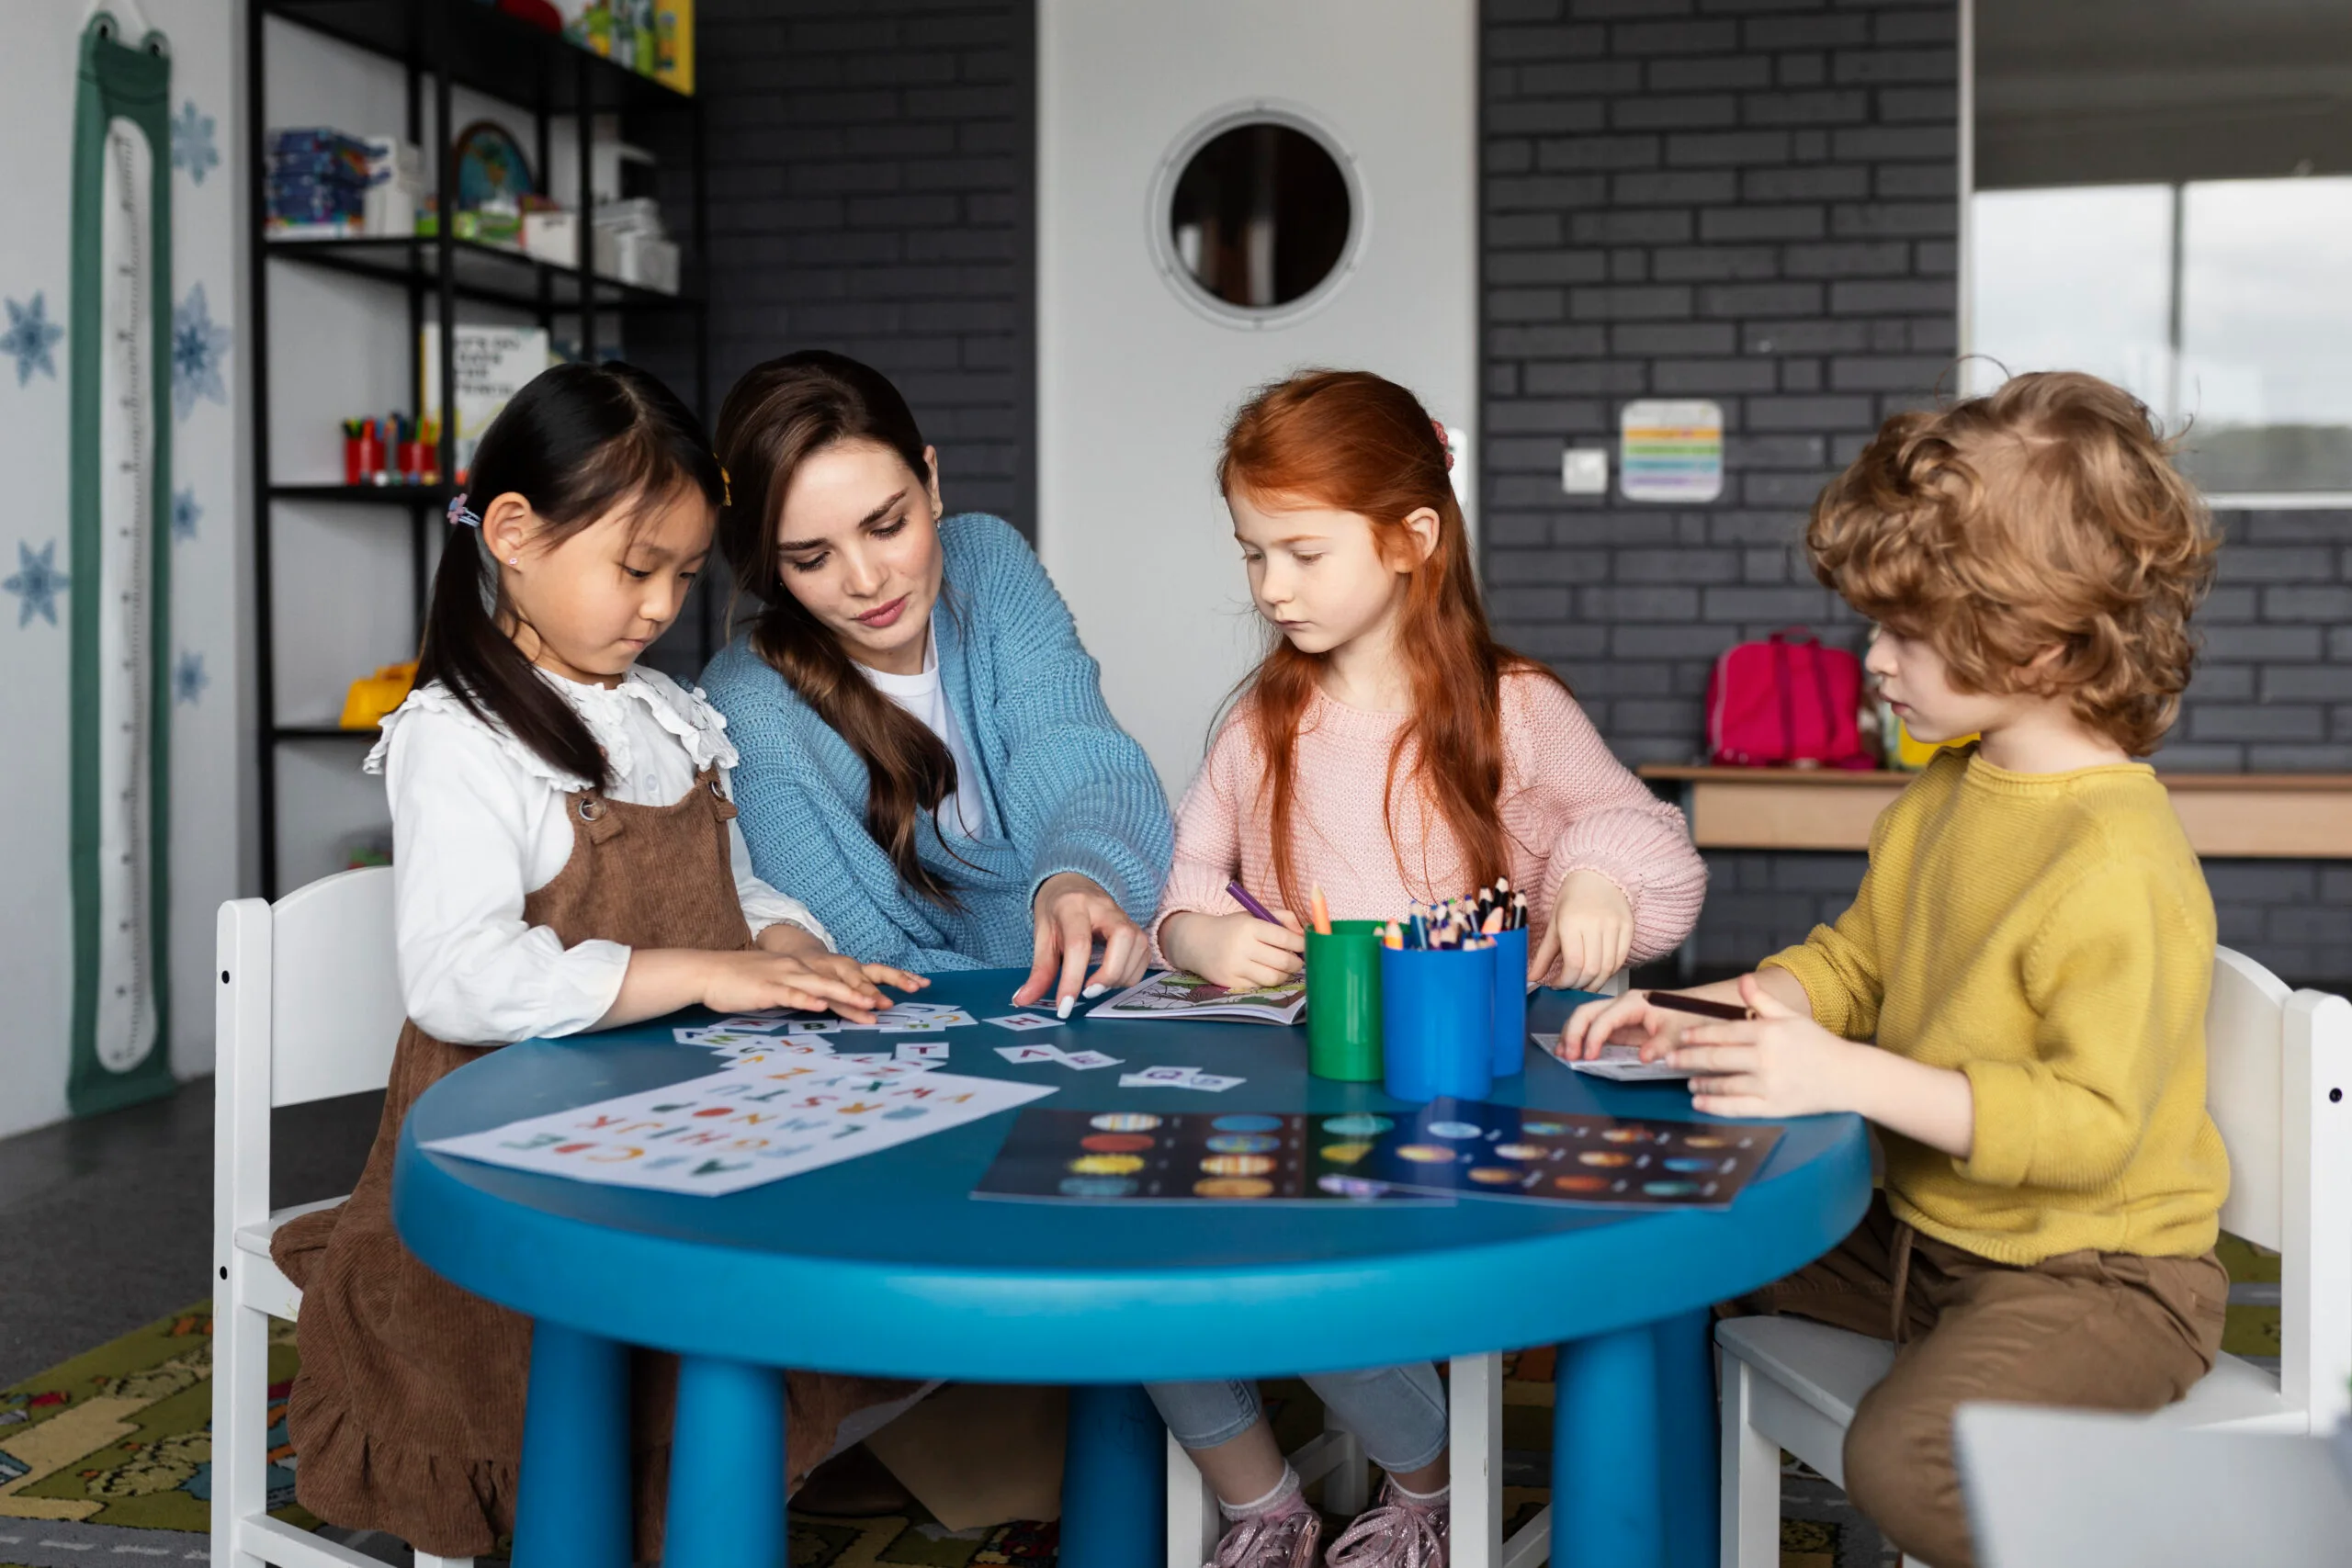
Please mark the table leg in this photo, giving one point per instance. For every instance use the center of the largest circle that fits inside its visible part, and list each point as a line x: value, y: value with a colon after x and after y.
x: 572, y: 1506
x: 727, y: 1467
x: 1688, y: 1451
x: 1114, y: 1496
x: 1605, y: 1453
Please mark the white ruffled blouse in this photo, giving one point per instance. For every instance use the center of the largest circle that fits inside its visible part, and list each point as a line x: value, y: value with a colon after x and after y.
x: 478, y: 823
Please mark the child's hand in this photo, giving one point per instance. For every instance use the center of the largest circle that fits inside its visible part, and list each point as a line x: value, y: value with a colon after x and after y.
x: 1629, y: 1019
x: 793, y: 943
x: 1779, y: 1063
x: 1589, y: 938
x: 748, y: 982
x: 1237, y: 952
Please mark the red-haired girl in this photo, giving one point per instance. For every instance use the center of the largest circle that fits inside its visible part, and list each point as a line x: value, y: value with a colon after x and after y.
x: 1387, y: 751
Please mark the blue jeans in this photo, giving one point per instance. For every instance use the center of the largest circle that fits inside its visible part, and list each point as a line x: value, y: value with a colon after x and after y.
x: 1398, y: 1412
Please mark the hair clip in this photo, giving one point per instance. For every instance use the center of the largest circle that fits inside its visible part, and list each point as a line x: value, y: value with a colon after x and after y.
x: 726, y: 486
x: 461, y: 514
x: 1445, y: 443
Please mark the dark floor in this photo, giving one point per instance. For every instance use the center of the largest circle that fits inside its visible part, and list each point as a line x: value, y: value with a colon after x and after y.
x: 106, y: 1222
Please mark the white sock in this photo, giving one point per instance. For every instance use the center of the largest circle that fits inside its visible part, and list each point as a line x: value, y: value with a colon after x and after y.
x: 1426, y: 1499
x: 1271, y: 1503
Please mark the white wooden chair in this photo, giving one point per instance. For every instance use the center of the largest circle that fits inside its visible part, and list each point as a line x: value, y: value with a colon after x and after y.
x: 2279, y: 1074
x: 1474, y: 1451
x: 2064, y: 1488
x: 309, y: 1008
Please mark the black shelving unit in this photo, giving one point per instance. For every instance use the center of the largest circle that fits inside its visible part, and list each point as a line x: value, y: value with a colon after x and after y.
x: 442, y: 45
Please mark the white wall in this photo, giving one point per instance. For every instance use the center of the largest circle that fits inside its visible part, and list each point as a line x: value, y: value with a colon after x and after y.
x: 36, y: 99
x: 1134, y: 386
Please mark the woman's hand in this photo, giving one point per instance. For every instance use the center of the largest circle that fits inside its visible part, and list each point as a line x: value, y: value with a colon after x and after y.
x: 1589, y: 938
x: 1779, y: 1062
x: 1239, y: 952
x: 1072, y: 911
x: 792, y: 942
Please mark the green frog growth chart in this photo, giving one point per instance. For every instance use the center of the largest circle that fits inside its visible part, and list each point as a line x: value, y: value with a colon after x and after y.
x: 121, y: 478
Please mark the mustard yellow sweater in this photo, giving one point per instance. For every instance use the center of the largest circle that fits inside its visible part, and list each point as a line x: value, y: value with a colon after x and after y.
x: 2050, y: 936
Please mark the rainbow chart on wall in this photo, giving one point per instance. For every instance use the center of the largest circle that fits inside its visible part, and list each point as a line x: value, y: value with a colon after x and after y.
x: 1447, y: 1150
x: 1109, y: 1156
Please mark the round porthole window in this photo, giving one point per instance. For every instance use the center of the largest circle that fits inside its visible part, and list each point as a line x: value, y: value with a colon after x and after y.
x: 1258, y: 217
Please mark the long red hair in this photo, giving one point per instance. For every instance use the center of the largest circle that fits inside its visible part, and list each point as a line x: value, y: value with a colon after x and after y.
x: 1354, y: 442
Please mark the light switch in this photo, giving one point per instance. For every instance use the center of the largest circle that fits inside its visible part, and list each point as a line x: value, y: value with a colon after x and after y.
x: 1584, y: 470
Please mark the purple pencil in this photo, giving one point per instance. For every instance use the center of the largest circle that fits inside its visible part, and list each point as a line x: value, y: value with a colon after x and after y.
x: 1241, y: 897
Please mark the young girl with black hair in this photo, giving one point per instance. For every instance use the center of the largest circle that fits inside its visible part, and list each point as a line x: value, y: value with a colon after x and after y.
x: 565, y: 857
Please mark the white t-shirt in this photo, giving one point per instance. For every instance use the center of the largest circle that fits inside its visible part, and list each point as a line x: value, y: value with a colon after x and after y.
x: 921, y: 696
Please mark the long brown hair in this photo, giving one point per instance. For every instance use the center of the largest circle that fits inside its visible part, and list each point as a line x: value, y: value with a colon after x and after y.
x: 1354, y: 442
x: 780, y: 414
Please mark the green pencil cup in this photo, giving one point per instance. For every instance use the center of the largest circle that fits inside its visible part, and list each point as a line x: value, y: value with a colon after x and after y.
x: 1343, y: 1001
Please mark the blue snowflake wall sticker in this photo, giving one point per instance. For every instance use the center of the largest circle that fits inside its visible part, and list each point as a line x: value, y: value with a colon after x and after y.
x: 30, y: 337
x: 199, y: 344
x: 37, y: 584
x: 185, y: 515
x: 192, y: 146
x: 188, y: 678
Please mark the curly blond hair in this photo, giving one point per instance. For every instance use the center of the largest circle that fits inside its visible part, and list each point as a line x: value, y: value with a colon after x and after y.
x: 2045, y: 514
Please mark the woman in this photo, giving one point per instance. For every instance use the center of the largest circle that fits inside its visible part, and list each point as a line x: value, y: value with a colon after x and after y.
x: 925, y: 755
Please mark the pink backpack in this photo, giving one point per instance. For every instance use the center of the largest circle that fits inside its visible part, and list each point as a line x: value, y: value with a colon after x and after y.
x: 1787, y: 700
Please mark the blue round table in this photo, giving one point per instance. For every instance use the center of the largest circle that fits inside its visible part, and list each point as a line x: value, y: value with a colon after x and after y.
x: 885, y: 1266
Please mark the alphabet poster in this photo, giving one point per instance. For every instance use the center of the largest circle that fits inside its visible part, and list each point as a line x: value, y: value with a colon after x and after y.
x: 761, y: 1120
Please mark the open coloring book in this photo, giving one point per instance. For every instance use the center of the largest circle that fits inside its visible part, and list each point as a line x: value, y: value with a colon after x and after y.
x: 1173, y: 994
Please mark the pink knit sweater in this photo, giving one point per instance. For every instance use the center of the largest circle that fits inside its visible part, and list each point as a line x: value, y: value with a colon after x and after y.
x: 1567, y: 805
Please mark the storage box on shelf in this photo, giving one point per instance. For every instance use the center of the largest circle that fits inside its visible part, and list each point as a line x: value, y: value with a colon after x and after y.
x: 371, y: 206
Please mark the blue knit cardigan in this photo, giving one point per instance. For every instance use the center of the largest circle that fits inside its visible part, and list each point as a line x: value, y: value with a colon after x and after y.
x: 1064, y: 788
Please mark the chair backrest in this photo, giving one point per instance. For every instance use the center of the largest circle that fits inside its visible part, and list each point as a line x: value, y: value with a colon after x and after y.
x: 2278, y: 1085
x: 309, y: 1007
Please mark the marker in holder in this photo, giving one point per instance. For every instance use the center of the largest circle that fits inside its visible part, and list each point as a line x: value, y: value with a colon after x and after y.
x: 1343, y: 1001
x: 1510, y: 1002
x: 1437, y: 1016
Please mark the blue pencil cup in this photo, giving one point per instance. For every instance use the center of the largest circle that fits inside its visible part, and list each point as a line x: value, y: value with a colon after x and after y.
x: 1510, y: 1002
x: 1437, y: 1022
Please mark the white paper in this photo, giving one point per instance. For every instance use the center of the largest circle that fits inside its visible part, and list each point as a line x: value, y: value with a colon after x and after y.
x: 743, y: 1127
x: 1021, y: 1055
x: 1621, y: 1064
x: 1025, y: 1021
x: 1211, y: 1082
x: 1165, y: 1075
x: 755, y: 1024
x: 1085, y: 1060
x: 712, y: 1035
x: 922, y: 1051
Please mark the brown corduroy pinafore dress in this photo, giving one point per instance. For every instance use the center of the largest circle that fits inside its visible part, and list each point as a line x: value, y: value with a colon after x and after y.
x: 407, y: 1415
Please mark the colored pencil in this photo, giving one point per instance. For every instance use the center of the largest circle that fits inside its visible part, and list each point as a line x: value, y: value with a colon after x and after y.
x: 1322, y: 912
x: 1241, y: 897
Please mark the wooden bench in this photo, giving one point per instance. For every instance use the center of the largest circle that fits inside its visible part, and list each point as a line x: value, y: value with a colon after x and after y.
x: 2228, y: 816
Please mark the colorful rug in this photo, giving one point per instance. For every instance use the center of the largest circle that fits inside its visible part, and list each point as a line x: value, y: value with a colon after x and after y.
x: 108, y: 1458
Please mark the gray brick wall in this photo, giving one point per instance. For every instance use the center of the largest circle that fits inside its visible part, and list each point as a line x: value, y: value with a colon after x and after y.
x: 1753, y: 201
x: 1747, y: 200
x: 871, y: 168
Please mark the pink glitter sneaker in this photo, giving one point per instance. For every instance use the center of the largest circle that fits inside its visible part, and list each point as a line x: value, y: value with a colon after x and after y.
x: 1286, y: 1539
x: 1395, y: 1533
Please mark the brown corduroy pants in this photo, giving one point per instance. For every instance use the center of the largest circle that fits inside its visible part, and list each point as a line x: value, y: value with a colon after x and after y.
x: 2092, y: 1330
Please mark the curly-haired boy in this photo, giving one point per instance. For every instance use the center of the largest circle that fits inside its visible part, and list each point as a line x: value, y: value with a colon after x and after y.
x: 2017, y: 998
